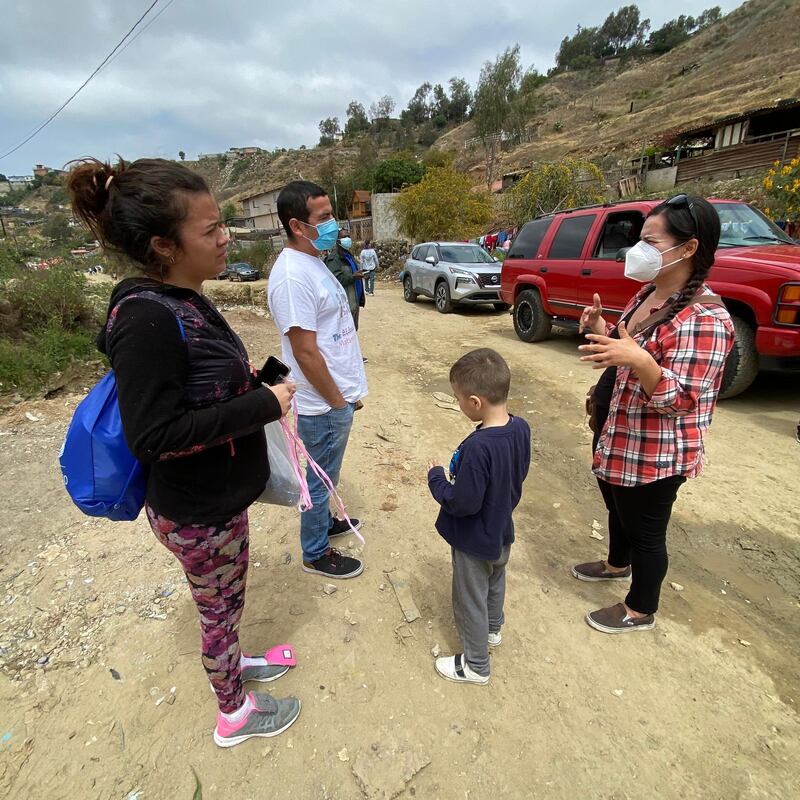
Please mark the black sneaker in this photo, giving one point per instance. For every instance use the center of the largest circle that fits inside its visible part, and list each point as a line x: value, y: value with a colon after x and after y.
x: 334, y: 565
x: 341, y: 528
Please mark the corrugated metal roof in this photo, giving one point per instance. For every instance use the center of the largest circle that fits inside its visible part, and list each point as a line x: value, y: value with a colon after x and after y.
x: 778, y: 105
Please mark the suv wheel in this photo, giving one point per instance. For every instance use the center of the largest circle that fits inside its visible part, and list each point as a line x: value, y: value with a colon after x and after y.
x: 741, y: 367
x: 409, y: 295
x: 531, y: 323
x: 441, y: 296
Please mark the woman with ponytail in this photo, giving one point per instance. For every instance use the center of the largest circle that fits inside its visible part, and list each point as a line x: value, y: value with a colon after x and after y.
x: 663, y: 367
x: 190, y: 407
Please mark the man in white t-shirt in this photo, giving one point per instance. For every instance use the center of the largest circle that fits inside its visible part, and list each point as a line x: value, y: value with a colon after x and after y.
x: 369, y: 263
x: 320, y: 344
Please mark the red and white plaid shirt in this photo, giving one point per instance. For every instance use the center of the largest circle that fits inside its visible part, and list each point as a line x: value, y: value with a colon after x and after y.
x: 647, y: 438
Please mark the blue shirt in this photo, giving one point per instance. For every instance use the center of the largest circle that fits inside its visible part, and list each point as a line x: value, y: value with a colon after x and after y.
x: 489, y: 468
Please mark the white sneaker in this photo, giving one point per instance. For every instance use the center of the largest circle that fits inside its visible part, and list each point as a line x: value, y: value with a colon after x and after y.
x: 495, y: 639
x: 455, y: 668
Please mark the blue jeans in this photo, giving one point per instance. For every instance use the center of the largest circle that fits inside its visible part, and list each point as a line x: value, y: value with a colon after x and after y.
x: 325, y: 437
x: 369, y: 280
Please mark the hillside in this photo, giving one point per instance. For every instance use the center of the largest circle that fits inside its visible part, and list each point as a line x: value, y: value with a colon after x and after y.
x: 750, y: 58
x: 236, y: 179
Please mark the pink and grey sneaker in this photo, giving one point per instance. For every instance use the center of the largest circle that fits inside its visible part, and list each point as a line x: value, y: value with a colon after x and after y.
x: 266, y: 717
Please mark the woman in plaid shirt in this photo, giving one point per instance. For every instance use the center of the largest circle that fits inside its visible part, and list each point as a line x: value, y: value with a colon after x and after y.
x: 654, y: 400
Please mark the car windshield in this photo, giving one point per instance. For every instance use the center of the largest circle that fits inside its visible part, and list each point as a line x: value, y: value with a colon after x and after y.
x: 465, y: 254
x: 745, y: 226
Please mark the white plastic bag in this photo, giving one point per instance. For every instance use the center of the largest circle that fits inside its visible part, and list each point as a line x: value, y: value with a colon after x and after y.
x: 283, y: 487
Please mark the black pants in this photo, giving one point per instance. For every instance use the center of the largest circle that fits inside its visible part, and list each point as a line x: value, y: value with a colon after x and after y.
x: 637, y: 530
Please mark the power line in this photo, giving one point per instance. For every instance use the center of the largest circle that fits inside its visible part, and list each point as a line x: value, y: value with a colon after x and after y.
x: 140, y: 32
x: 78, y: 90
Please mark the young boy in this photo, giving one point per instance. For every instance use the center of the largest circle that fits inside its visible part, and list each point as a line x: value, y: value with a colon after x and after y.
x: 487, y: 471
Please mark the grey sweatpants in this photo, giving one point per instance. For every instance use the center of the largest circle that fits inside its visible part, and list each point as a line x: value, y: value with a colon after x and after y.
x: 479, y: 589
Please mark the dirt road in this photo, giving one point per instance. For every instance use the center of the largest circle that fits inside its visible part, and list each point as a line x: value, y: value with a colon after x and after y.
x: 97, y: 627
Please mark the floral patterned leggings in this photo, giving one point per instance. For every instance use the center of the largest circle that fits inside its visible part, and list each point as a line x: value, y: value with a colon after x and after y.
x: 214, y: 558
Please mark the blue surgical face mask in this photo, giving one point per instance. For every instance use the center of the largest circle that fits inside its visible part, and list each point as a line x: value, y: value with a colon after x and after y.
x: 346, y: 242
x: 327, y: 234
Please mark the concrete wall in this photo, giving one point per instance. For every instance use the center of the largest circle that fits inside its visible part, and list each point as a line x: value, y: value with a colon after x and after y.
x: 384, y: 222
x: 661, y: 180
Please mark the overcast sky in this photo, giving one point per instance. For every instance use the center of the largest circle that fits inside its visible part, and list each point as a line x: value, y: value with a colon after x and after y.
x: 207, y: 74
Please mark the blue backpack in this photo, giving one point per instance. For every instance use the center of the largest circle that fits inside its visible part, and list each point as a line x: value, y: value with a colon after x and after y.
x: 100, y: 473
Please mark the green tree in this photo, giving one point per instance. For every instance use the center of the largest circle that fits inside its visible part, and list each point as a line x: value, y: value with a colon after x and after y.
x: 441, y: 102
x: 229, y: 210
x: 671, y: 34
x: 395, y: 173
x: 383, y: 109
x: 420, y: 106
x: 3, y: 177
x: 622, y: 29
x: 357, y: 121
x: 568, y: 183
x: 497, y: 87
x: 181, y: 155
x: 460, y: 99
x: 442, y: 206
x: 576, y: 49
x: 329, y: 129
x: 526, y: 102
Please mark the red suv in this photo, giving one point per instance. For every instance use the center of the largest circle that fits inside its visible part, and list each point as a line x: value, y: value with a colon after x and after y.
x: 557, y: 262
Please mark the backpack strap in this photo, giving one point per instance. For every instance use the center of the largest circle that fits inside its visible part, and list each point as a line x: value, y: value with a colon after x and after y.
x: 657, y: 317
x: 148, y: 295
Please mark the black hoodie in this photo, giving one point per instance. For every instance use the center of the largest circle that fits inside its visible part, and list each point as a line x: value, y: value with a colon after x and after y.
x: 188, y: 405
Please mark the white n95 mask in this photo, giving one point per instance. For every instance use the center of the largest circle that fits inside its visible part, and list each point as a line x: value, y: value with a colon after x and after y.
x: 643, y: 261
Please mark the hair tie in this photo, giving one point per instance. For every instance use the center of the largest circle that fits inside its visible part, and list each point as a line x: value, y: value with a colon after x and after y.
x: 108, y: 181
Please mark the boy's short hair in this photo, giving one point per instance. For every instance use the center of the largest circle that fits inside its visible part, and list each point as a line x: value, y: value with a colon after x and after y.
x: 484, y: 373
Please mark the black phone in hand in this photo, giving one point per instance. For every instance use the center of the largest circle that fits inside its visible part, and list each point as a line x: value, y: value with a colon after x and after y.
x: 273, y: 371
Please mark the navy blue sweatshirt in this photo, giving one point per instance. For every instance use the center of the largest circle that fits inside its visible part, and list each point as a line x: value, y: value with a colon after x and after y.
x: 489, y: 468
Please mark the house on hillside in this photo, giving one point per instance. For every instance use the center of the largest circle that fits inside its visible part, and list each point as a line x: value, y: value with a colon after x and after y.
x: 41, y: 171
x: 749, y: 141
x: 262, y: 209
x: 245, y: 152
x: 360, y: 205
x: 21, y: 181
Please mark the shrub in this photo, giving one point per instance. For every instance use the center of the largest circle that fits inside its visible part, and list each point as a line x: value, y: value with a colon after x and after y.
x: 56, y: 295
x: 27, y: 364
x: 442, y: 206
x: 782, y: 184
x: 48, y: 319
x: 552, y: 187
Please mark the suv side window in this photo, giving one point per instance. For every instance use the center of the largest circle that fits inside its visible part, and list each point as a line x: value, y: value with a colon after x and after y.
x: 421, y: 251
x: 526, y: 245
x: 570, y: 236
x: 619, y: 230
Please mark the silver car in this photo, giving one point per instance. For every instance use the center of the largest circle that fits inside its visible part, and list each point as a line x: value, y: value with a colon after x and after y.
x: 452, y: 273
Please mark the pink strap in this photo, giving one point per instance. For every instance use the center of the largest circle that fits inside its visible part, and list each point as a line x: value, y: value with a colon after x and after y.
x: 296, y: 450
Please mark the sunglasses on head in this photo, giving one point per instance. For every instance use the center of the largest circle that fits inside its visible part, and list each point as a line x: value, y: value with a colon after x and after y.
x: 683, y: 201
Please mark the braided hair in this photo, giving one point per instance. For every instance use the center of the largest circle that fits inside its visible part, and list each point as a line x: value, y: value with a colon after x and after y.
x: 680, y: 224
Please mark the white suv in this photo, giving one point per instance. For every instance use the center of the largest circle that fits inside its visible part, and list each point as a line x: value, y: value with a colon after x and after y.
x: 452, y: 273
